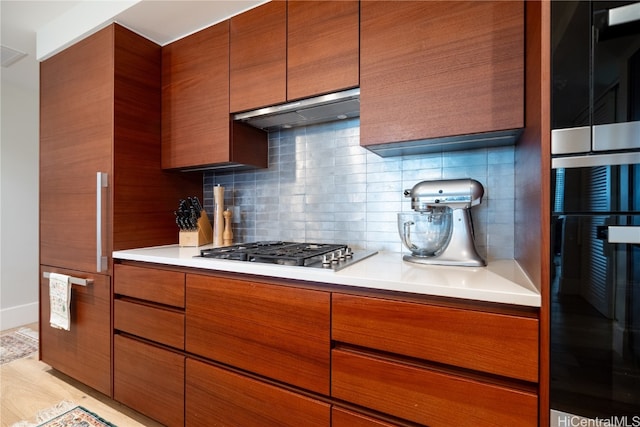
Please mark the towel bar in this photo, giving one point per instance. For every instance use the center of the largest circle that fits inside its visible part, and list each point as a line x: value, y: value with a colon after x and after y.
x: 74, y: 280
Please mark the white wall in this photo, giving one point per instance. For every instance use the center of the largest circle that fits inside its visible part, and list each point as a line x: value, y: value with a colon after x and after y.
x: 19, y: 218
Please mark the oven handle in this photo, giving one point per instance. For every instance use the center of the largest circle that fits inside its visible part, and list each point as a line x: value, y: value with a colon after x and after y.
x: 623, y: 234
x: 624, y: 14
x: 73, y: 280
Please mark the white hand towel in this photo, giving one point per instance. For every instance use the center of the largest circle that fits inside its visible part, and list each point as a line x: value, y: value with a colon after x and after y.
x: 60, y: 301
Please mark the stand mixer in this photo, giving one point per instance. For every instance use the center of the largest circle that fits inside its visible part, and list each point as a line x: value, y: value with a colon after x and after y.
x: 440, y: 230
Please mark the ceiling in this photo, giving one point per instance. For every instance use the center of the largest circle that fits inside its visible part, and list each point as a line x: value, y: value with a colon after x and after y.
x: 162, y: 21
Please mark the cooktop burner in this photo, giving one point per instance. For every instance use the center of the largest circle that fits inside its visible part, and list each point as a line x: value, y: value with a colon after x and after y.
x: 322, y: 255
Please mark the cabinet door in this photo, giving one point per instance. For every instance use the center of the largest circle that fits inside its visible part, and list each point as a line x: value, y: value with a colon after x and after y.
x: 275, y: 331
x: 76, y: 135
x: 258, y: 57
x: 500, y: 344
x: 323, y: 42
x: 219, y: 397
x: 427, y: 396
x: 149, y: 379
x: 141, y: 193
x: 83, y: 352
x: 195, y: 99
x: 437, y: 69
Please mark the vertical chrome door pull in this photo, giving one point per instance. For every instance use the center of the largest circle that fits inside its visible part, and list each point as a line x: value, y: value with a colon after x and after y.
x: 102, y: 181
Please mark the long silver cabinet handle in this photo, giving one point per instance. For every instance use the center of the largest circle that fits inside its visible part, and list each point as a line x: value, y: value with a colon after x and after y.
x: 74, y: 280
x: 102, y: 181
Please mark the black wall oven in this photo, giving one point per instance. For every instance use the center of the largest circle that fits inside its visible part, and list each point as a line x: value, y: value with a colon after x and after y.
x: 596, y: 77
x: 595, y: 291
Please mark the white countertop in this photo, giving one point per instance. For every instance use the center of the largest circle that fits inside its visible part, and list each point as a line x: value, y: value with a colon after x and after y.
x: 501, y: 281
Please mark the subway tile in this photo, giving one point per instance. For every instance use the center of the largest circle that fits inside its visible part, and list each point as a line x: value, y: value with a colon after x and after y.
x: 390, y: 185
x: 348, y: 195
x: 350, y: 226
x: 477, y: 172
x: 321, y: 185
x: 357, y: 190
x: 390, y: 176
x: 465, y: 158
x: 427, y: 161
x: 349, y: 207
x: 378, y: 217
x: 412, y: 177
x: 388, y: 166
x: 501, y: 155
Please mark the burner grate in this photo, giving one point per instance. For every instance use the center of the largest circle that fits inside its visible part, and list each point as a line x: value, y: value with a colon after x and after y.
x: 288, y: 253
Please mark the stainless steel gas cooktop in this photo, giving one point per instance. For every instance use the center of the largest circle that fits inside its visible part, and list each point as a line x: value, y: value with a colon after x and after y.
x: 318, y: 255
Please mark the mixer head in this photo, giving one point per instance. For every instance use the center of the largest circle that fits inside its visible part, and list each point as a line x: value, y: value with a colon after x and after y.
x: 454, y: 193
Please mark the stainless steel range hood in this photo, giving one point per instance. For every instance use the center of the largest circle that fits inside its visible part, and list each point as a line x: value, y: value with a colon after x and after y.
x: 319, y: 109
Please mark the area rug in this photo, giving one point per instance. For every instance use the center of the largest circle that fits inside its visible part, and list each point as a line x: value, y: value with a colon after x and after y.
x: 77, y: 417
x: 18, y: 344
x: 66, y: 414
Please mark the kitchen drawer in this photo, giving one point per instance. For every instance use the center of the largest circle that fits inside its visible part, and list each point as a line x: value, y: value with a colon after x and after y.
x: 427, y: 396
x: 279, y: 332
x: 218, y: 397
x: 149, y: 380
x: 343, y: 418
x: 155, y: 324
x: 161, y: 286
x: 500, y: 344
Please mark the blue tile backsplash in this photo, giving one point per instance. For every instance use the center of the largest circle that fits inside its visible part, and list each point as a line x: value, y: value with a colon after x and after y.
x: 321, y: 186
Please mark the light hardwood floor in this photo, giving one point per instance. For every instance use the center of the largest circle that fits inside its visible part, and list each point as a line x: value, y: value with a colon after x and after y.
x: 28, y: 386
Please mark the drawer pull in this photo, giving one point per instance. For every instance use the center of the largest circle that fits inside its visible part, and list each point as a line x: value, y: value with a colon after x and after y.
x: 74, y: 280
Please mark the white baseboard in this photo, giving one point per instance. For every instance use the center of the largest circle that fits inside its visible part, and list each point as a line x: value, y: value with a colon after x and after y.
x: 20, y: 315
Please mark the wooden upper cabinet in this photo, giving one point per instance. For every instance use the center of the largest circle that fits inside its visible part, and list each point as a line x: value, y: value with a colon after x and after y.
x: 196, y: 127
x: 323, y: 47
x: 438, y: 69
x: 258, y: 58
x: 195, y: 97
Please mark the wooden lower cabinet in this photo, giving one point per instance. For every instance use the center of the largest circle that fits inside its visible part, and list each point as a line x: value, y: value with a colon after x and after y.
x: 491, y: 342
x: 150, y: 380
x: 344, y: 418
x: 279, y: 332
x: 149, y: 284
x: 159, y: 325
x: 427, y: 396
x: 84, y: 351
x: 218, y: 397
x: 237, y: 351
